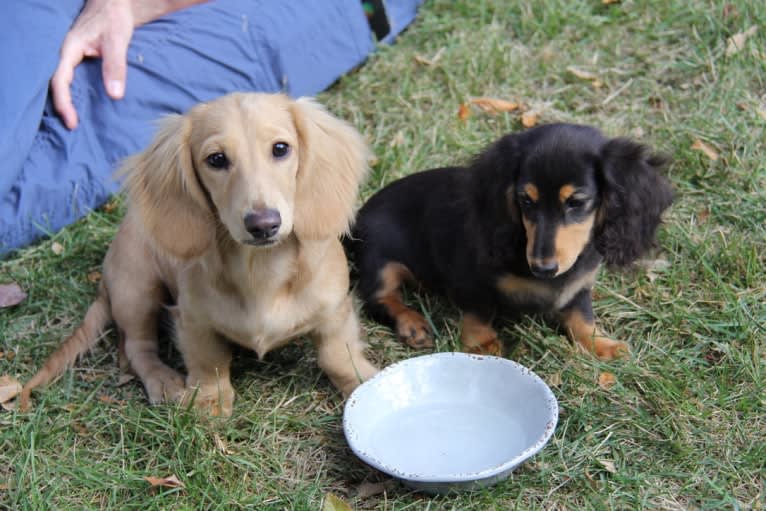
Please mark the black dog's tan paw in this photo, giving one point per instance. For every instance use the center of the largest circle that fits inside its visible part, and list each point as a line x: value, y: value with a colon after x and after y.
x: 488, y: 347
x: 479, y: 337
x: 413, y: 329
x: 605, y: 348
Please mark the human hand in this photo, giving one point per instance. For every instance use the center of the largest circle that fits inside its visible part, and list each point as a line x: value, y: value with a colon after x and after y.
x: 103, y: 29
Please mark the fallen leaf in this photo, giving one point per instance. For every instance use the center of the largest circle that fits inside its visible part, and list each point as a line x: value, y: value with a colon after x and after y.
x: 530, y: 118
x: 741, y: 105
x: 57, y: 248
x: 609, y: 466
x: 702, y: 216
x: 220, y: 444
x: 94, y: 276
x: 165, y: 482
x: 366, y: 490
x: 606, y: 380
x: 494, y: 105
x: 463, y: 112
x: 334, y: 503
x: 701, y: 146
x: 9, y: 388
x: 730, y: 10
x: 582, y: 74
x: 104, y: 398
x: 11, y: 294
x: 737, y: 41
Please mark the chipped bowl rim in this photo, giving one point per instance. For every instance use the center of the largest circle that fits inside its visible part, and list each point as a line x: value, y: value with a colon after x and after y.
x: 492, y: 474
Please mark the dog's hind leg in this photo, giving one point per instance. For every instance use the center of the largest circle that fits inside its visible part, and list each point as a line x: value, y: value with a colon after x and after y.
x: 384, y: 303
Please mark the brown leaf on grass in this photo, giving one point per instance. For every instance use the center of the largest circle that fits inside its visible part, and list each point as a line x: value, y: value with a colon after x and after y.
x: 708, y: 151
x: 165, y: 482
x: 582, y: 74
x: 530, y: 118
x: 730, y: 10
x: 94, y: 276
x: 607, y: 380
x: 702, y: 216
x: 9, y: 388
x: 57, y: 248
x: 494, y: 105
x: 11, y: 294
x: 334, y: 503
x: 463, y: 112
x: 737, y: 41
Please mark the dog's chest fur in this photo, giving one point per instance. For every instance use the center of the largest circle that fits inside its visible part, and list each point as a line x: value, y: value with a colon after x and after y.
x: 255, y: 300
x: 534, y: 293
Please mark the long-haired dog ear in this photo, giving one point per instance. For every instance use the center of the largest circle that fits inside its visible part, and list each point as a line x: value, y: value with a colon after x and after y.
x: 333, y: 163
x: 496, y: 168
x: 635, y: 195
x: 163, y: 186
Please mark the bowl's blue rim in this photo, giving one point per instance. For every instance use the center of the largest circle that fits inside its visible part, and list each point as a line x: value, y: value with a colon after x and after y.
x: 507, y: 466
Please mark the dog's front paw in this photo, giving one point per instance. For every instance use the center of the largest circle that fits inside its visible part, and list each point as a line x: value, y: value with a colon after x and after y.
x: 486, y: 347
x: 164, y: 386
x: 413, y: 329
x: 215, y: 399
x: 608, y: 349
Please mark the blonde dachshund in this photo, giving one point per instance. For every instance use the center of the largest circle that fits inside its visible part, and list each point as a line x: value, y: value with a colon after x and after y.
x: 234, y: 215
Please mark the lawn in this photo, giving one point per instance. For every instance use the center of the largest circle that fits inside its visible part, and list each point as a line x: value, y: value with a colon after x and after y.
x: 682, y: 427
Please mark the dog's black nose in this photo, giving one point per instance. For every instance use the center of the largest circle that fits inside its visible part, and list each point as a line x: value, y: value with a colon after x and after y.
x: 544, y: 269
x: 263, y: 223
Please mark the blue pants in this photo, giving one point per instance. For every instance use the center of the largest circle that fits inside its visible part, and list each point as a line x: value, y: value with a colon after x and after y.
x: 50, y: 176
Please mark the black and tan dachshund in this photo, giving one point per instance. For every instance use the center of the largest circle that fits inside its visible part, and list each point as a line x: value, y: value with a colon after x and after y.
x: 523, y: 228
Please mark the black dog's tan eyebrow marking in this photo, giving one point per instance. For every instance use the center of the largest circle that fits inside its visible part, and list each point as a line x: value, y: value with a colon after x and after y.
x: 566, y: 192
x: 532, y: 192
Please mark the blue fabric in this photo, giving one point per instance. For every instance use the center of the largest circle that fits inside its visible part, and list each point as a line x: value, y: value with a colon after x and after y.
x: 51, y: 176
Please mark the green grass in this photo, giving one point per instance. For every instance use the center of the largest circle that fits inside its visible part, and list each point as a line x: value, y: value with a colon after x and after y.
x: 683, y: 428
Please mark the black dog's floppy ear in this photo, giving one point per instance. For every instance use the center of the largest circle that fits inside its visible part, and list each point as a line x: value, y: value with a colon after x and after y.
x: 634, y: 197
x: 496, y: 169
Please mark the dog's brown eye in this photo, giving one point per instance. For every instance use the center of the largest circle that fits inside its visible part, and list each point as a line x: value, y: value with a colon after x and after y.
x: 218, y: 161
x: 280, y: 149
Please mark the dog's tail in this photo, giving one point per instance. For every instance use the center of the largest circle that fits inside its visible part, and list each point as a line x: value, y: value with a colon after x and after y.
x: 84, y: 338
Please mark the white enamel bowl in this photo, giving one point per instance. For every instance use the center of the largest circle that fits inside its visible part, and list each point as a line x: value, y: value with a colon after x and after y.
x: 450, y: 421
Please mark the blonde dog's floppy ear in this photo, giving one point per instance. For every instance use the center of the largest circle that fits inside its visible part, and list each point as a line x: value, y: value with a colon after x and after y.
x: 333, y: 162
x: 163, y: 185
